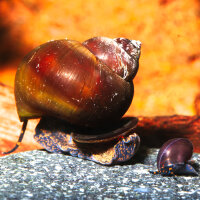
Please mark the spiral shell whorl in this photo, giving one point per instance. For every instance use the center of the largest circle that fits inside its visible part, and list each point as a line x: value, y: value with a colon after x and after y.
x: 120, y: 55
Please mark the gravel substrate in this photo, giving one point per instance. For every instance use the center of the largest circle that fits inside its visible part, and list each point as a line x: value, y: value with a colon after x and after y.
x: 41, y: 175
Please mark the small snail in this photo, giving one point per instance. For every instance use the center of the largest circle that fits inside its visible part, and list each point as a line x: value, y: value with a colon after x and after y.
x: 87, y: 86
x: 173, y: 158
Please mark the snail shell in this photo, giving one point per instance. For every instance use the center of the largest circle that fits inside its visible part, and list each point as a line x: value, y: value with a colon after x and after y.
x: 87, y: 84
x: 173, y: 158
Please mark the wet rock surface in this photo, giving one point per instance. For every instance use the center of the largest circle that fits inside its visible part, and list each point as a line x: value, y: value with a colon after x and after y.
x: 41, y: 175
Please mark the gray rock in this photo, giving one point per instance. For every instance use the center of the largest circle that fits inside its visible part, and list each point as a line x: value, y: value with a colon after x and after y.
x: 41, y: 175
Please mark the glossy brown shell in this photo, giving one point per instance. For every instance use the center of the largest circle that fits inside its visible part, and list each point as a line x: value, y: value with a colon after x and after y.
x: 64, y: 79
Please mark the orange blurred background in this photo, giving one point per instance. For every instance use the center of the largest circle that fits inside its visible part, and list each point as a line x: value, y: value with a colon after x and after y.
x: 168, y: 81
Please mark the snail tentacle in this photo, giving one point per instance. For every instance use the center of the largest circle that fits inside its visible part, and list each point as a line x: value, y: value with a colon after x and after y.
x: 24, y: 125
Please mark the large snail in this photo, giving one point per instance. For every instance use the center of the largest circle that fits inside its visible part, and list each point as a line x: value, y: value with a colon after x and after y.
x: 88, y: 87
x: 173, y: 158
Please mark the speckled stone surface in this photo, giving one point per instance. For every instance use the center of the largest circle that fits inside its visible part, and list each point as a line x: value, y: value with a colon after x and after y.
x: 41, y: 175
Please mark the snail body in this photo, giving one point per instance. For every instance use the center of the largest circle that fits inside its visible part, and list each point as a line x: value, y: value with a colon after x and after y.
x: 173, y: 158
x: 87, y: 85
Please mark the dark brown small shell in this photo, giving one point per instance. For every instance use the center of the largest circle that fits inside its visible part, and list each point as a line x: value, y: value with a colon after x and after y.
x: 173, y: 158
